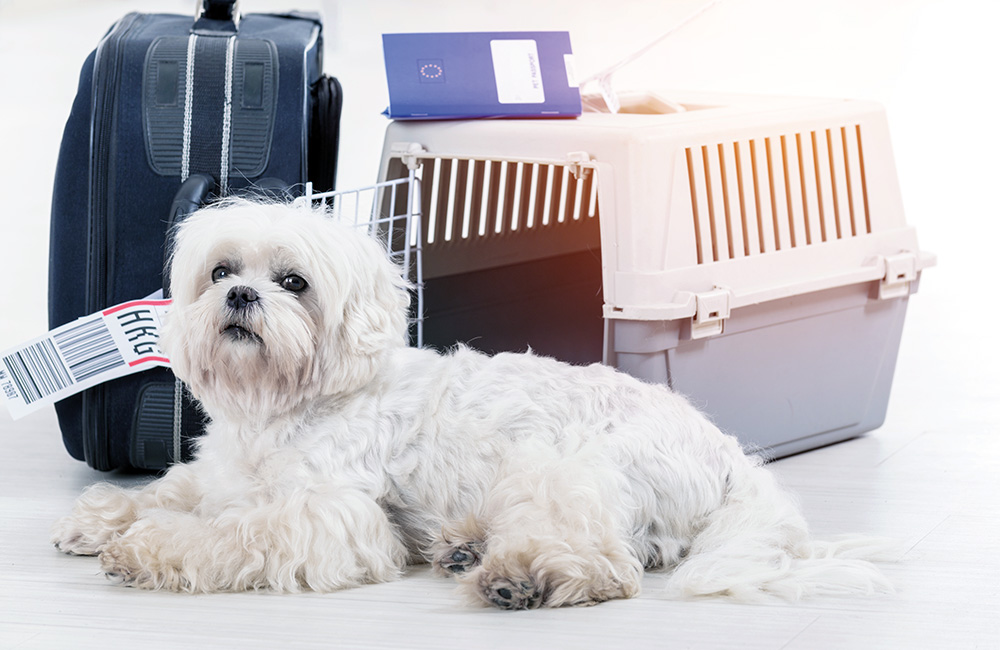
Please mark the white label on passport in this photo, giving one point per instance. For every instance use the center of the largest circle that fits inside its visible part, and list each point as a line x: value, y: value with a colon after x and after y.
x: 517, y: 71
x: 91, y: 350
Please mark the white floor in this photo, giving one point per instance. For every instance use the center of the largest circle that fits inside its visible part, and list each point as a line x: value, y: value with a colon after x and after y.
x: 928, y: 477
x: 932, y: 487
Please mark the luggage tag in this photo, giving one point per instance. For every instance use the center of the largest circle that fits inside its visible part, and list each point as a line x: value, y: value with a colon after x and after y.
x: 118, y: 341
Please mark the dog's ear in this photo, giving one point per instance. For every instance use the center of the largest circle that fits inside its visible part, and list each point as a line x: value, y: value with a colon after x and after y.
x: 374, y: 317
x: 375, y: 313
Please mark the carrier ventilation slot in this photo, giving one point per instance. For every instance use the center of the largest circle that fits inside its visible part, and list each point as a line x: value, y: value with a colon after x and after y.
x: 479, y: 213
x: 464, y: 199
x: 773, y: 193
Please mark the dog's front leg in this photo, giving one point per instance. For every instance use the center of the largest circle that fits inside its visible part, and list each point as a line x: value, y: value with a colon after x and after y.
x: 324, y: 539
x: 105, y: 510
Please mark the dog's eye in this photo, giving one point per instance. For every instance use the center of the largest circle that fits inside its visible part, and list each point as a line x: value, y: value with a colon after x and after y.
x: 220, y: 272
x: 293, y: 283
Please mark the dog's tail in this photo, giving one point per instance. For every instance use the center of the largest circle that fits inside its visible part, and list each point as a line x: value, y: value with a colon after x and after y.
x: 757, y: 545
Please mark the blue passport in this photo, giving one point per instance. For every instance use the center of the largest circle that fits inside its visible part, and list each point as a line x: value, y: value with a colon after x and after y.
x: 480, y: 74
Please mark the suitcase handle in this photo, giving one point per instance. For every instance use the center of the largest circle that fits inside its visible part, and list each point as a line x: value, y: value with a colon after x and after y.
x: 217, y: 17
x: 218, y: 9
x: 193, y: 194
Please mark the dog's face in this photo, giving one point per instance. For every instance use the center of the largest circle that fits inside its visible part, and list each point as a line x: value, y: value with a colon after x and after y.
x: 274, y: 305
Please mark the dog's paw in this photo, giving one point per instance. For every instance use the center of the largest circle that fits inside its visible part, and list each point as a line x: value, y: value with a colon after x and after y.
x: 121, y: 567
x: 510, y: 594
x: 131, y: 561
x: 459, y: 559
x: 73, y: 537
x: 520, y: 581
x: 460, y: 547
x: 102, y: 512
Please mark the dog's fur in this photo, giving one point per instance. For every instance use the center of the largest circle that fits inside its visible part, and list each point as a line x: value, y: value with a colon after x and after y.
x: 336, y: 455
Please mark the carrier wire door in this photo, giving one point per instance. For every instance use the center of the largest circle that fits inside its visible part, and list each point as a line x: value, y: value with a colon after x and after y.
x: 513, y: 254
x: 390, y: 213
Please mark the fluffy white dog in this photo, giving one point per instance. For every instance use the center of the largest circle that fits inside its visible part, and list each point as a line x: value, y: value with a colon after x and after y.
x: 336, y: 455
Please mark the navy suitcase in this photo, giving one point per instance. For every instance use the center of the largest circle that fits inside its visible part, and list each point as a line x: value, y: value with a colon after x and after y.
x: 170, y: 112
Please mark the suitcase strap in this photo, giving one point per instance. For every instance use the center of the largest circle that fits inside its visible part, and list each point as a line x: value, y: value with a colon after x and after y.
x: 208, y: 100
x: 204, y: 92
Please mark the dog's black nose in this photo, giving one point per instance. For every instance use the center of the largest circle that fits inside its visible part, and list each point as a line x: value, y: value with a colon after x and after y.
x: 239, y: 298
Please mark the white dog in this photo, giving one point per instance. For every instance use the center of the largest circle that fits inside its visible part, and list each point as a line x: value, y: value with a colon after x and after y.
x: 336, y: 455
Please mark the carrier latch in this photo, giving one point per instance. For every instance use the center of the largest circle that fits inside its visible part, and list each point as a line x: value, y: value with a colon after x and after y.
x: 579, y: 164
x: 900, y: 270
x: 711, y: 311
x: 409, y: 153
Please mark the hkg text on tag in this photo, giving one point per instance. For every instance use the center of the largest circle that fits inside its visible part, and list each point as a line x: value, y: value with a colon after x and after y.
x: 91, y: 350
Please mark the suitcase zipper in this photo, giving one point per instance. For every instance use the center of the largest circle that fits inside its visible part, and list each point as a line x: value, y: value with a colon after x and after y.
x: 107, y: 66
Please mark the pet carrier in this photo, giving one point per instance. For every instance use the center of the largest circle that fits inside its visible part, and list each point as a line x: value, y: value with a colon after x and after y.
x: 750, y: 252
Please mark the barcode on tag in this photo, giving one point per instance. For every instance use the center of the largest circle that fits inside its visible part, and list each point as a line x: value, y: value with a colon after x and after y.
x: 37, y: 371
x: 89, y: 351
